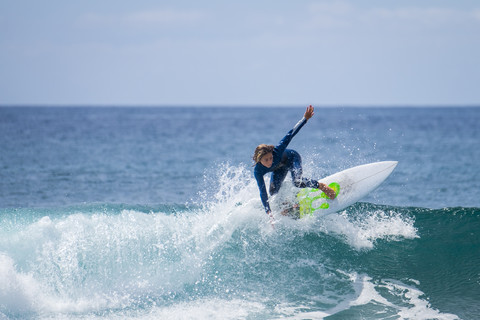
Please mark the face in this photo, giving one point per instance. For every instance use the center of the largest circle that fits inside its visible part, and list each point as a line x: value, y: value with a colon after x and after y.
x: 267, y: 160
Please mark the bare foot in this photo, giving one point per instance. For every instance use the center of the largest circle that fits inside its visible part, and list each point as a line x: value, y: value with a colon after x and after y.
x: 328, y: 191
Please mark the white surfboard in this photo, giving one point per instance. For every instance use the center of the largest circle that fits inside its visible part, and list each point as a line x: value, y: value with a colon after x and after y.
x: 351, y: 185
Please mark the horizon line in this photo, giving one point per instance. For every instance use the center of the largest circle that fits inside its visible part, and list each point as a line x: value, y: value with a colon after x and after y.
x: 217, y: 105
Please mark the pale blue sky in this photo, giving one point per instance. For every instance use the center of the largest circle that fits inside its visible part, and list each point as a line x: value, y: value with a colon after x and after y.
x: 337, y: 53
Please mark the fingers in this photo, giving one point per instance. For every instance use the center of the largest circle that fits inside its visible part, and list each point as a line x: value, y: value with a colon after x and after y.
x: 309, y: 112
x: 272, y: 220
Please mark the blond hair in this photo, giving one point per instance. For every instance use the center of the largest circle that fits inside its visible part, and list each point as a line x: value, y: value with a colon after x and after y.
x: 260, y: 151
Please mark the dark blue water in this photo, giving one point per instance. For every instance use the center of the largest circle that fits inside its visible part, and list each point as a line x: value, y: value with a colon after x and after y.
x: 154, y: 213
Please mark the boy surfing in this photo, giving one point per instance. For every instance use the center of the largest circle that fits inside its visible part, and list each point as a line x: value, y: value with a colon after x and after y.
x: 279, y: 161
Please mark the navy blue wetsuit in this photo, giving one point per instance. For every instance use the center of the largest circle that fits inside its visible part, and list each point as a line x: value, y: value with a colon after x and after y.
x: 284, y: 160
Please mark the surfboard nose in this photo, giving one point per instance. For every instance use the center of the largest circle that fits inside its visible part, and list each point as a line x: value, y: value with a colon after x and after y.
x: 386, y: 166
x: 392, y: 164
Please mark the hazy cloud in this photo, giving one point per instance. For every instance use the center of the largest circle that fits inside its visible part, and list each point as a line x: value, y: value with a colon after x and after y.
x: 344, y: 14
x: 147, y: 18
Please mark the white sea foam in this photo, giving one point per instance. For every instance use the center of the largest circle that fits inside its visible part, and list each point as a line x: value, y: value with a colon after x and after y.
x: 89, y: 262
x: 208, y: 309
x: 402, y: 299
x: 361, y: 229
x: 17, y: 290
x: 202, y: 263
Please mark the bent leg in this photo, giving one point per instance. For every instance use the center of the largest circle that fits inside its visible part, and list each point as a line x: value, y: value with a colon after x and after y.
x: 297, y: 172
x: 277, y: 179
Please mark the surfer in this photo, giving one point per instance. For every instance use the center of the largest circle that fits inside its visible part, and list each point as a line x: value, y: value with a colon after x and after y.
x: 279, y: 161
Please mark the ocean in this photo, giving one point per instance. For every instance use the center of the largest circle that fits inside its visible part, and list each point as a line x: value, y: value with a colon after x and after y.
x: 153, y: 213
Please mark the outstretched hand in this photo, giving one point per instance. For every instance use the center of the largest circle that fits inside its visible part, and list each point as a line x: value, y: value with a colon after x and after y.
x: 309, y: 112
x: 272, y: 219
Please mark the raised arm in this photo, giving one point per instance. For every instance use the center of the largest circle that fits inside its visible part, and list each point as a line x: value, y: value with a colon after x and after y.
x: 286, y: 140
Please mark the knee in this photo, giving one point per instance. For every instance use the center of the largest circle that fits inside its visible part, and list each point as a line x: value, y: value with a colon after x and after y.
x: 296, y: 158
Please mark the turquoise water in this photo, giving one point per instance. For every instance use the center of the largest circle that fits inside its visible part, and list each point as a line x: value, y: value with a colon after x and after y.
x: 153, y: 213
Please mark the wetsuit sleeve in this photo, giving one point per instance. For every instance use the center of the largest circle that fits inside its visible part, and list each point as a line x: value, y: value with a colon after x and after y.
x: 280, y: 148
x: 263, y: 191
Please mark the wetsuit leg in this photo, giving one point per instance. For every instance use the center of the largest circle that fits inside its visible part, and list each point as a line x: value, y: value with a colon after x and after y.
x: 296, y: 171
x: 291, y: 162
x: 277, y: 179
